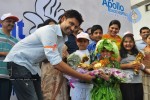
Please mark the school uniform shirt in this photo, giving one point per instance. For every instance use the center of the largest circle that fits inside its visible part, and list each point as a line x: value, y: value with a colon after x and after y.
x: 45, y: 42
x: 6, y: 43
x: 81, y: 90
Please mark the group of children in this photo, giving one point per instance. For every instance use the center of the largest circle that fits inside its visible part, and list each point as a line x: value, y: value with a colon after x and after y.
x: 130, y: 89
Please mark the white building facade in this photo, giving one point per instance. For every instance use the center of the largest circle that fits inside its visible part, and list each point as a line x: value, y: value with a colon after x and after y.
x: 142, y: 16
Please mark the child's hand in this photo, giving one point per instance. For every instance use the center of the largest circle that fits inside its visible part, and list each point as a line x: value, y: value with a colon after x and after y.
x: 93, y: 63
x: 104, y: 76
x: 137, y: 66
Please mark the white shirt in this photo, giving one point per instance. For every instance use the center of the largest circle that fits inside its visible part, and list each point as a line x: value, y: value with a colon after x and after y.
x: 81, y: 90
x: 45, y: 42
x: 140, y: 45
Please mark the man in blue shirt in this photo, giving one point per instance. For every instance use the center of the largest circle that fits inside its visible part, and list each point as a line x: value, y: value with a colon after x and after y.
x: 6, y: 43
x: 45, y: 42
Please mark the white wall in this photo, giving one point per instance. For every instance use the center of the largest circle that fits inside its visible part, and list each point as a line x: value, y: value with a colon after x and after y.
x: 144, y: 21
x: 133, y: 2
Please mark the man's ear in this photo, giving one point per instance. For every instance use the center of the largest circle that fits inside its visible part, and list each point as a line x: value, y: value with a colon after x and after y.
x: 63, y: 18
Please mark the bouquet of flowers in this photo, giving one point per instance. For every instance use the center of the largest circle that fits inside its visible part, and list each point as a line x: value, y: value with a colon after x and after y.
x: 108, y: 88
x: 112, y: 72
x: 73, y: 79
x: 78, y: 64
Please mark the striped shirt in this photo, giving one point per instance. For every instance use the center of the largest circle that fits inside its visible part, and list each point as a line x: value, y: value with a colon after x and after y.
x: 6, y: 43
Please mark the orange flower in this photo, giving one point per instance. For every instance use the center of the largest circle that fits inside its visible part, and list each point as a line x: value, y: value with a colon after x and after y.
x: 104, y: 62
x: 112, y: 58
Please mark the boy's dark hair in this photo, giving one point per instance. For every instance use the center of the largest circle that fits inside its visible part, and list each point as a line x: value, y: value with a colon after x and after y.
x: 117, y: 22
x: 96, y: 27
x: 144, y: 28
x: 72, y: 14
x: 123, y: 51
x: 88, y: 30
x: 46, y: 22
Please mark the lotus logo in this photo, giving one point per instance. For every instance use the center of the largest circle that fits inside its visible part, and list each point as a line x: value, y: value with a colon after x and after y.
x: 134, y: 16
x: 44, y: 9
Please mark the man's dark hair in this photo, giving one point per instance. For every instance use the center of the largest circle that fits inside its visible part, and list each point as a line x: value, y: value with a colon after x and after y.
x: 144, y: 28
x: 117, y: 22
x: 73, y: 14
x: 96, y: 27
x: 88, y: 30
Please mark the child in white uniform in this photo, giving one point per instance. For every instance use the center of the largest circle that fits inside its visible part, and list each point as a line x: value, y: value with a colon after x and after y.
x: 81, y: 90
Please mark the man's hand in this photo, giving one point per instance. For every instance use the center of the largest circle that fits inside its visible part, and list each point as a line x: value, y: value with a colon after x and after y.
x: 3, y: 53
x: 88, y: 77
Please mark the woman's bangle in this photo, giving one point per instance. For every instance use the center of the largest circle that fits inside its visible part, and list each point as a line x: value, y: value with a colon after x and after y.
x: 142, y: 67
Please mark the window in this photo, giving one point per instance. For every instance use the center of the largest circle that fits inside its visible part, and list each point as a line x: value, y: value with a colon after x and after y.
x: 147, y: 7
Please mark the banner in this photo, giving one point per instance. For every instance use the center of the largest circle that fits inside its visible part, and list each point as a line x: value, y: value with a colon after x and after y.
x: 33, y: 12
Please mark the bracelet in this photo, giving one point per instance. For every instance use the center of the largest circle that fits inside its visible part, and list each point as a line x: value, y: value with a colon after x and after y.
x: 142, y: 67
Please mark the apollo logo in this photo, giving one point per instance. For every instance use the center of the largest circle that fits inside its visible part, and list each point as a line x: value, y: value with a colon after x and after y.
x: 113, y: 5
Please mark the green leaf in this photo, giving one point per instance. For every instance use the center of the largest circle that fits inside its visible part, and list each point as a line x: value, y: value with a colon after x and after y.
x: 107, y: 44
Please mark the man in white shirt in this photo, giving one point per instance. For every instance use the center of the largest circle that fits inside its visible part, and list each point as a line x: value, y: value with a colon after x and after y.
x: 142, y: 43
x: 45, y: 42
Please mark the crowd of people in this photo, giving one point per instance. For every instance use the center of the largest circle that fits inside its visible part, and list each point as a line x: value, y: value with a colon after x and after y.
x: 39, y: 65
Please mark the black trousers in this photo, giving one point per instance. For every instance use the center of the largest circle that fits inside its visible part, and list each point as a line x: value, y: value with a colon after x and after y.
x: 26, y: 85
x: 5, y: 89
x: 132, y: 91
